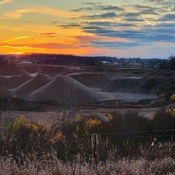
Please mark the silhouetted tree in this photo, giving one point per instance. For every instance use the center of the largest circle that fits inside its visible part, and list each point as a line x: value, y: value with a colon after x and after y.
x: 171, y: 62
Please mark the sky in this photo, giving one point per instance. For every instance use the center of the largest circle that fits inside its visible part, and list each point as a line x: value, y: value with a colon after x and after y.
x: 120, y: 28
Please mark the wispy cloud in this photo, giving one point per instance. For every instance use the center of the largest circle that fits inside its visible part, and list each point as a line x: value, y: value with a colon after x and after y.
x: 70, y: 25
x: 168, y: 17
x: 99, y: 25
x: 165, y: 3
x: 42, y: 10
x: 5, y: 1
x: 45, y: 45
x: 17, y: 38
x: 109, y: 8
x: 109, y: 24
x: 132, y: 16
x: 144, y: 35
x: 102, y: 16
x: 48, y: 34
x: 160, y: 1
x: 100, y: 38
x: 51, y: 45
x: 83, y: 9
x: 100, y: 7
x: 137, y: 24
x: 115, y: 45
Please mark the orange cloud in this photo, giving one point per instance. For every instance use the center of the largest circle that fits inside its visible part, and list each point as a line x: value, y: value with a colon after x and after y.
x: 48, y: 34
x: 73, y: 51
x: 17, y: 38
x: 42, y: 10
x: 11, y: 49
x: 43, y: 45
x: 6, y: 1
x: 57, y: 48
x: 26, y: 49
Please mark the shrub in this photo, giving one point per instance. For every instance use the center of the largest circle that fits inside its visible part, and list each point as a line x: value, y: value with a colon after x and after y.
x: 164, y: 119
x: 72, y: 140
x: 21, y: 139
x: 130, y: 121
x: 172, y: 98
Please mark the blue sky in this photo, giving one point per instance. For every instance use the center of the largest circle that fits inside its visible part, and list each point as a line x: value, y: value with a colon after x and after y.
x: 121, y: 28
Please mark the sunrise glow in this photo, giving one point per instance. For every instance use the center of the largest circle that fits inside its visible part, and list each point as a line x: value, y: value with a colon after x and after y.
x: 114, y: 28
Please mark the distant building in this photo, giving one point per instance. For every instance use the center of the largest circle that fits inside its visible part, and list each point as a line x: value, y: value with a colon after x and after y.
x: 105, y: 62
x: 25, y: 62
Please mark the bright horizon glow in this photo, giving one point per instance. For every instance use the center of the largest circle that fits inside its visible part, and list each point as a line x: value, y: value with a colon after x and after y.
x: 131, y: 28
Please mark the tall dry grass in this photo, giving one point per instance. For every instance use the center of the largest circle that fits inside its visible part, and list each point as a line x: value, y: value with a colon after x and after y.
x: 67, y: 148
x: 125, y: 166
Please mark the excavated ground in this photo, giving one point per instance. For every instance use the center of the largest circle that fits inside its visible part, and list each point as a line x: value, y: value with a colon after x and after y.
x: 50, y: 88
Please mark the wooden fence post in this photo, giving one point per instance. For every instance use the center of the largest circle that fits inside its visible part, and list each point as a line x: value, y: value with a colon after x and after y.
x: 95, y: 149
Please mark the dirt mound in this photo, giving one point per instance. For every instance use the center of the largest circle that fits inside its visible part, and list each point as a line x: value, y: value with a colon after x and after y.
x: 64, y: 89
x: 5, y: 93
x: 129, y: 84
x: 26, y: 88
x: 157, y: 85
x: 144, y: 85
x: 13, y: 81
x: 10, y: 69
x: 25, y: 72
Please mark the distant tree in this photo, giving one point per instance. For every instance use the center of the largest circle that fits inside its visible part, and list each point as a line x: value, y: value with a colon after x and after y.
x: 171, y: 62
x: 99, y: 63
x: 168, y: 63
x: 163, y: 64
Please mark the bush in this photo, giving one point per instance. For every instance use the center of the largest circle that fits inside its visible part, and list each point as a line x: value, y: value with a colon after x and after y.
x: 21, y: 139
x: 164, y: 119
x: 130, y: 121
x: 72, y: 140
x: 172, y: 98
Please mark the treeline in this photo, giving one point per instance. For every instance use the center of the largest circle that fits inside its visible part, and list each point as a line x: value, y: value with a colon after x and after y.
x: 69, y: 60
x: 169, y: 63
x: 75, y: 60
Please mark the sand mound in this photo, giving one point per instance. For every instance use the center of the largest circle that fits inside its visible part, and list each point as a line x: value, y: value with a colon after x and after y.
x: 25, y: 72
x: 26, y: 88
x: 64, y: 89
x: 13, y: 81
x: 5, y: 93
